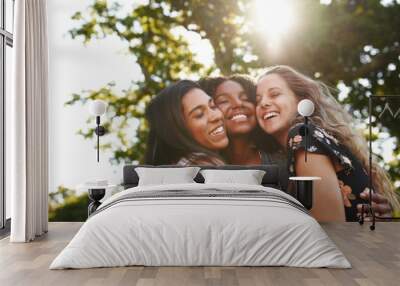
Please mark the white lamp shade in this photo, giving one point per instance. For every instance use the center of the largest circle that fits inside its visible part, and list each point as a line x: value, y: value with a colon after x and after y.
x: 97, y: 107
x: 305, y: 107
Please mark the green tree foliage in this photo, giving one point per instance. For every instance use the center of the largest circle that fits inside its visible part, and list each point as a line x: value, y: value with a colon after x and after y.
x: 355, y: 42
x: 163, y: 57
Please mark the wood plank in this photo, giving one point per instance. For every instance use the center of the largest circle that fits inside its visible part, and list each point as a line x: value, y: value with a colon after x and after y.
x: 375, y: 257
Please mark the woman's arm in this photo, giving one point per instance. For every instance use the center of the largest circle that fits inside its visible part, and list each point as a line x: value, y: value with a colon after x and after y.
x: 328, y: 201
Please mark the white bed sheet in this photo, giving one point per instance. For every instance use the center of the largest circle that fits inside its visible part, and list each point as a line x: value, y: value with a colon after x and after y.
x: 200, y: 232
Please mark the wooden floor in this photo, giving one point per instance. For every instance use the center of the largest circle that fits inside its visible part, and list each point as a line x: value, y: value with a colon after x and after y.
x: 375, y: 257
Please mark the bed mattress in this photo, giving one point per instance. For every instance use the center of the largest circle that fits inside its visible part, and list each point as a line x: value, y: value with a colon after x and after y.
x: 201, y: 225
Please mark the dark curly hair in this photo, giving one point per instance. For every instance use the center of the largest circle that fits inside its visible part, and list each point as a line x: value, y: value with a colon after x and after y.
x: 210, y: 84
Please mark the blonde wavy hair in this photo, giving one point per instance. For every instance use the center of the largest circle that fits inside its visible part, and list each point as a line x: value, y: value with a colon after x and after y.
x: 331, y: 116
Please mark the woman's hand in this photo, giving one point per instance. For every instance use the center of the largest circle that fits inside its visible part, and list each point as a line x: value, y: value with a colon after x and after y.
x: 328, y: 201
x: 380, y: 204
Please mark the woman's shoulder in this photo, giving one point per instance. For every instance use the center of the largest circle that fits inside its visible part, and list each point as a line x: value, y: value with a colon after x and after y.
x: 320, y: 141
x: 315, y: 132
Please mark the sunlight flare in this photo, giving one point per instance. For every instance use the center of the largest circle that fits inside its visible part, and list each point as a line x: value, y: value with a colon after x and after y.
x: 274, y: 19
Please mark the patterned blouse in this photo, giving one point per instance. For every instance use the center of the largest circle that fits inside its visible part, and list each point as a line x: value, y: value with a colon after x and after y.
x: 352, y: 178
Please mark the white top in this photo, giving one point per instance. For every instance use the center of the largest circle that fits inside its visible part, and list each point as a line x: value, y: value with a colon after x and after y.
x: 304, y: 178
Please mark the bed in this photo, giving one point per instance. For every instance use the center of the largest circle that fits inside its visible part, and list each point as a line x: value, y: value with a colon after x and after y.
x: 201, y: 224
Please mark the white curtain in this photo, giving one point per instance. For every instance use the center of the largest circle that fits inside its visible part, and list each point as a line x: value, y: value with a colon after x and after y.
x: 29, y: 120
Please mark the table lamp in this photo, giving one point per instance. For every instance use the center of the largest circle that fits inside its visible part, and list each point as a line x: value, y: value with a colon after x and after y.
x: 305, y: 108
x: 98, y: 108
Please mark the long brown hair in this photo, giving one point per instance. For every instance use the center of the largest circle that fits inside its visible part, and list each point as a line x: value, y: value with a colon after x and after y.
x: 331, y: 116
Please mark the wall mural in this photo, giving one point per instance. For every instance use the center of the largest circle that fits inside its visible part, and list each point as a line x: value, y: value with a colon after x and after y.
x: 241, y: 107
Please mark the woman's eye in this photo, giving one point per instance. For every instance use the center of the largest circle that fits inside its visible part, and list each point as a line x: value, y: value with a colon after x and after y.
x: 221, y: 101
x: 198, y: 115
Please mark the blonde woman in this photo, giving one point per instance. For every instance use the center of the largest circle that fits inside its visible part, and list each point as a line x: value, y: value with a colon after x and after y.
x: 337, y: 153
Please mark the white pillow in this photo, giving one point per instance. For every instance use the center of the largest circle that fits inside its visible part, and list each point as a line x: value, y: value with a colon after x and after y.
x: 163, y: 176
x: 248, y: 177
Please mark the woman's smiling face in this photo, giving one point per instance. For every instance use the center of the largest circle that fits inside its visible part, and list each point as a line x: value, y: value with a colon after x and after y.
x: 238, y: 111
x: 204, y: 120
x: 276, y: 105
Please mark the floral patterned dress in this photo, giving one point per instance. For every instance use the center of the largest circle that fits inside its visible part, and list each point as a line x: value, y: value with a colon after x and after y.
x: 352, y: 178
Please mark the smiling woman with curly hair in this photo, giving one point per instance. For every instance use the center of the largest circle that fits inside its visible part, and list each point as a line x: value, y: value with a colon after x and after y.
x: 247, y: 145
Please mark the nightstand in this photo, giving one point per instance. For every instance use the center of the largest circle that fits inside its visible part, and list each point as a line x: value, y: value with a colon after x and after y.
x: 97, y: 194
x: 304, y: 190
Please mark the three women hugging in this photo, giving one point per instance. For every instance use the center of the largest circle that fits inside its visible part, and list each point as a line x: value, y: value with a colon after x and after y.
x: 235, y: 120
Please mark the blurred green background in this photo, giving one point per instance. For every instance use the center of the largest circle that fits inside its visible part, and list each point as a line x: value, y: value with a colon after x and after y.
x: 353, y: 45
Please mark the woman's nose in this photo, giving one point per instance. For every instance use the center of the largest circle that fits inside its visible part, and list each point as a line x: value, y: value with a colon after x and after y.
x: 264, y: 102
x: 215, y: 114
x: 237, y: 102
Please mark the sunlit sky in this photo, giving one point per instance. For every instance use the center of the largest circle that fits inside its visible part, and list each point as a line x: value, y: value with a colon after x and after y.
x: 274, y: 19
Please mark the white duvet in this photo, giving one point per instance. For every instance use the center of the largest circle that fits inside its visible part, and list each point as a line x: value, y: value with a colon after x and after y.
x: 200, y: 231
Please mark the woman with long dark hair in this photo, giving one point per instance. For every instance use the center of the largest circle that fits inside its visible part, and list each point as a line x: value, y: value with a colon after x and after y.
x: 186, y: 128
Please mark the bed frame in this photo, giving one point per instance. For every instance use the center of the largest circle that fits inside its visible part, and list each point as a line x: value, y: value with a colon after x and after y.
x: 273, y: 176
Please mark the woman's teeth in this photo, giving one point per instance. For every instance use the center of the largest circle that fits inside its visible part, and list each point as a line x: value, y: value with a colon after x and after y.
x: 270, y: 115
x: 218, y: 130
x: 239, y: 117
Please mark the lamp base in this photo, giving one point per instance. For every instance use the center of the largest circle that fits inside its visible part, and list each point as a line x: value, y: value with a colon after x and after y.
x: 304, y: 193
x: 304, y: 190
